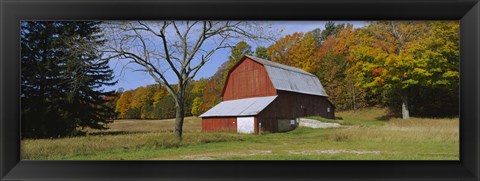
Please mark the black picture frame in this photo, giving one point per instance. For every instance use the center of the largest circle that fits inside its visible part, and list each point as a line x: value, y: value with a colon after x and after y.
x: 466, y: 11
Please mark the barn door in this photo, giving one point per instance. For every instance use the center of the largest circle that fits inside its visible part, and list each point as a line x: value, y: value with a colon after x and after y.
x: 245, y: 125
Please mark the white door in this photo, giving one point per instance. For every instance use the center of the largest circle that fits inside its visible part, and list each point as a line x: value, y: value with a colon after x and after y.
x: 245, y: 125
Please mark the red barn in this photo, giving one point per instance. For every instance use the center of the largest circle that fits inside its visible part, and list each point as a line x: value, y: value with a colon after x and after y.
x: 263, y: 95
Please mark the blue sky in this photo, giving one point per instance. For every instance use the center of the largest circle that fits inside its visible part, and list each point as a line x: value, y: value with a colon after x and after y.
x: 129, y: 79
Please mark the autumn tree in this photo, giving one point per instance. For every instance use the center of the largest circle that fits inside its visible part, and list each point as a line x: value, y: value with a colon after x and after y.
x: 163, y: 104
x: 142, y: 102
x: 199, y: 87
x: 213, y: 89
x: 197, y: 91
x: 197, y: 102
x: 123, y: 104
x: 317, y: 36
x: 150, y: 102
x: 297, y: 50
x: 334, y: 64
x: 393, y: 57
x: 436, y: 93
x: 173, y: 52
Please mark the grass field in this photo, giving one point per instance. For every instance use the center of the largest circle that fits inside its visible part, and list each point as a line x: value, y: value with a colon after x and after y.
x: 364, y: 135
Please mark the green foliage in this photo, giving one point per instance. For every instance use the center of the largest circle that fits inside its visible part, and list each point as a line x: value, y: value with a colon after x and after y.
x: 199, y: 87
x: 330, y: 29
x: 261, y: 52
x: 400, y: 59
x: 165, y: 108
x: 62, y: 73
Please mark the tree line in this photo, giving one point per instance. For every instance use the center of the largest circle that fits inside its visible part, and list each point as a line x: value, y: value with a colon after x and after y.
x: 412, y: 66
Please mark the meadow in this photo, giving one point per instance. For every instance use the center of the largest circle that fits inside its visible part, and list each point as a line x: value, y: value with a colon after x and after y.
x: 368, y: 134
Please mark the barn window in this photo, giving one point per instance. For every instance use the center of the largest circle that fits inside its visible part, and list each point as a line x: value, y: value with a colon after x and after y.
x: 328, y: 109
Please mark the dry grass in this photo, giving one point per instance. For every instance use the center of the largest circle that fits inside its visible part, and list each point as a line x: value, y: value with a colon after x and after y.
x: 129, y: 126
x: 124, y: 134
x: 366, y: 135
x: 65, y: 147
x: 398, y: 130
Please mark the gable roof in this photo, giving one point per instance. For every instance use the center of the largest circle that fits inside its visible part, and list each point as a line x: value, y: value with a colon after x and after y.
x: 289, y: 78
x: 240, y: 107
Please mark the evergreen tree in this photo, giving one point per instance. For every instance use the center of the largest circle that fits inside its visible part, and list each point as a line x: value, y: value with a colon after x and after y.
x: 261, y: 52
x: 330, y: 29
x: 62, y: 76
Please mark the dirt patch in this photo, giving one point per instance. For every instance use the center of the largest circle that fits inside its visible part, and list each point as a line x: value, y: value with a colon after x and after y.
x: 310, y: 123
x: 213, y: 156
x: 331, y: 152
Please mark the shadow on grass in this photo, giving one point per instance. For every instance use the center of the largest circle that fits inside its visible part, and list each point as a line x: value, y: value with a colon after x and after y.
x: 385, y: 117
x: 113, y: 133
x: 388, y: 116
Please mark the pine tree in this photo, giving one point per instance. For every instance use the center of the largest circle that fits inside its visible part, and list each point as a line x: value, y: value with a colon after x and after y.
x: 261, y: 52
x: 62, y: 78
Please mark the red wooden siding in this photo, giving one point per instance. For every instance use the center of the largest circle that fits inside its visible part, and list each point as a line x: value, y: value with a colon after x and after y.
x: 219, y: 124
x: 290, y: 105
x: 248, y: 79
x: 224, y: 124
x: 268, y: 124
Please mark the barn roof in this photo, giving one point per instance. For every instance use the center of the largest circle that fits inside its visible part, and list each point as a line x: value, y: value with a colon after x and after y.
x: 290, y: 78
x: 240, y: 107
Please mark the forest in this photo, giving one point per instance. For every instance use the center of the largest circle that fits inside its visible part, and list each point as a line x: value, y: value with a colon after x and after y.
x: 409, y: 67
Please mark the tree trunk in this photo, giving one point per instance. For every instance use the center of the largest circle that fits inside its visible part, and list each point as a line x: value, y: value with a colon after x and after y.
x: 179, y: 117
x: 405, y: 111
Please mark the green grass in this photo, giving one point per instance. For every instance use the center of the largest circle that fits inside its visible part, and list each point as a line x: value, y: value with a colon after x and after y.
x: 364, y: 135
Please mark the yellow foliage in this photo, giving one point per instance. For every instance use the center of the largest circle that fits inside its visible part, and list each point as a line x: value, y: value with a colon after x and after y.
x: 297, y: 50
x: 123, y: 103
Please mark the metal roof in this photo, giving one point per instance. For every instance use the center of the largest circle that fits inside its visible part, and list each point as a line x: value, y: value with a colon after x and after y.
x: 290, y: 78
x: 240, y: 107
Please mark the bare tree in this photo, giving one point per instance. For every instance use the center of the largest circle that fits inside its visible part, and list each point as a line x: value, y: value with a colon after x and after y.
x: 175, y: 48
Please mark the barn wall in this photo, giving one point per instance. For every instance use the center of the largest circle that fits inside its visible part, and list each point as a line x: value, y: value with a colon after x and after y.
x: 224, y: 124
x: 256, y: 124
x: 248, y: 79
x: 290, y: 105
x: 331, y: 114
x: 219, y: 124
